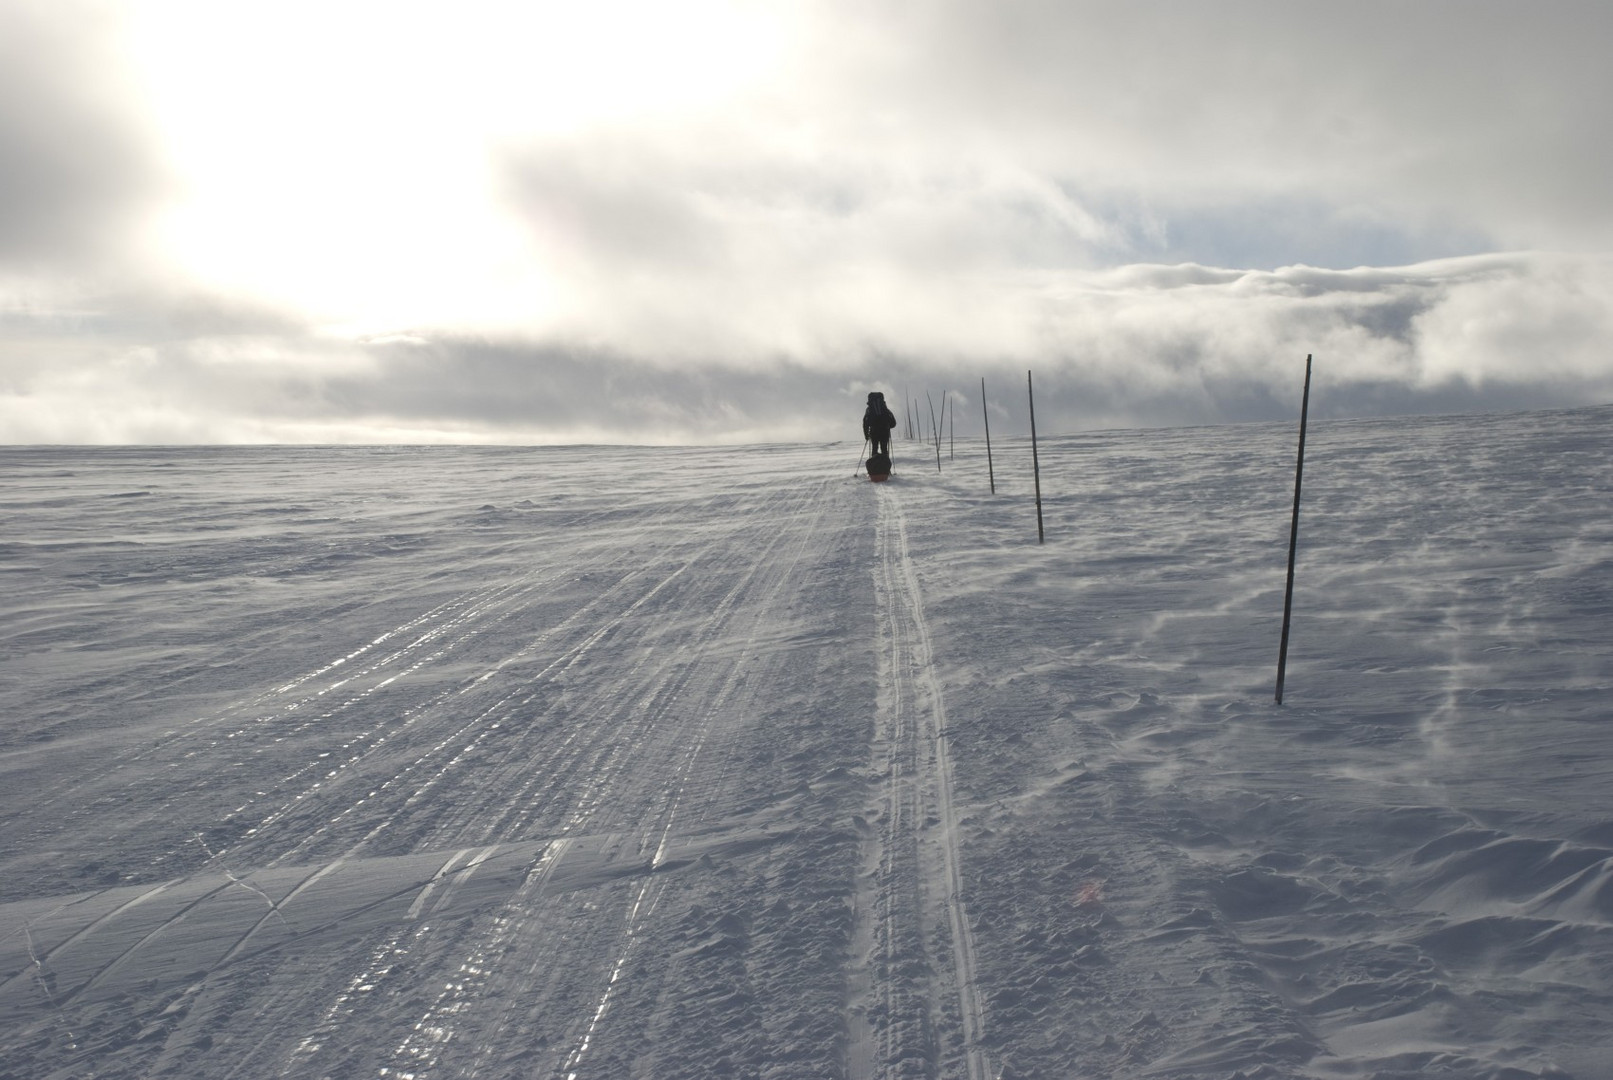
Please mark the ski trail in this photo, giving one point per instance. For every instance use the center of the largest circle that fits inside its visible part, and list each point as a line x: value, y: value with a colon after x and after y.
x: 167, y: 924
x: 603, y: 606
x: 428, y: 708
x: 759, y: 565
x: 698, y: 679
x: 679, y: 693
x: 276, y: 911
x: 90, y: 927
x: 889, y: 1016
x: 623, y: 728
x: 426, y: 890
x: 912, y: 880
x: 971, y: 1014
x: 272, y: 704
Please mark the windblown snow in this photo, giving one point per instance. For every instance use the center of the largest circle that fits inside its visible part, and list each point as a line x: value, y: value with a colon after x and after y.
x: 595, y: 762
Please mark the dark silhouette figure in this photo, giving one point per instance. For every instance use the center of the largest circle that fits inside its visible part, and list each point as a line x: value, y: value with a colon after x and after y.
x: 877, y: 423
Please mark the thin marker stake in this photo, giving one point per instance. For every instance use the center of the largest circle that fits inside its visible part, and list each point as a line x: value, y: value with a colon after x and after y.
x: 990, y: 473
x: 1036, y: 463
x: 1293, y: 532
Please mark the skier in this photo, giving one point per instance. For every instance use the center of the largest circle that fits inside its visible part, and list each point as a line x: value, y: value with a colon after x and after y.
x: 877, y: 423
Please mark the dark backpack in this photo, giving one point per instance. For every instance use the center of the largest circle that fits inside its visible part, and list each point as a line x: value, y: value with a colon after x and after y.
x: 878, y: 417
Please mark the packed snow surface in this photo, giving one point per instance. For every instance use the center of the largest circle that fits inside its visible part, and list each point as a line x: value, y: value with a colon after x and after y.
x: 671, y: 763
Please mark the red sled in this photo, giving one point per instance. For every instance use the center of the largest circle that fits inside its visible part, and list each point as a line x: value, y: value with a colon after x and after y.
x: 879, y: 468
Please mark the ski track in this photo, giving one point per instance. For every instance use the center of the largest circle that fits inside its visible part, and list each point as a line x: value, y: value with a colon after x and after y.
x: 628, y: 713
x: 666, y: 683
x: 912, y: 922
x: 388, y: 796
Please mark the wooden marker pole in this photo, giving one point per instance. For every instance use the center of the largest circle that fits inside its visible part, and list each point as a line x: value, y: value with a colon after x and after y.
x: 991, y: 474
x: 1036, y: 464
x: 1293, y: 532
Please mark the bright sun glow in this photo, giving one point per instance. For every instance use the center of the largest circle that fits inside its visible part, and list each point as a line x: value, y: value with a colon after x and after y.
x: 335, y: 156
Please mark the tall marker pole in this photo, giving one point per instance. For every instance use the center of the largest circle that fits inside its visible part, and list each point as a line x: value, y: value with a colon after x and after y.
x: 1293, y: 532
x: 984, y: 415
x: 1036, y: 464
x: 935, y: 430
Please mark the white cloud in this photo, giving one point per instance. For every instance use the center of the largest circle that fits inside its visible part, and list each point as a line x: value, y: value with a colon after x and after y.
x: 1483, y: 110
x: 1549, y: 321
x: 1137, y: 345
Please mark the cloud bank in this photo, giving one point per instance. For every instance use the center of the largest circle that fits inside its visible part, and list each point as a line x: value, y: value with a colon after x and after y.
x: 534, y: 222
x: 1141, y: 345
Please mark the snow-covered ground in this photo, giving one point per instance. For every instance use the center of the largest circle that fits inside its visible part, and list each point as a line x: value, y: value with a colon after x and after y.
x: 699, y: 763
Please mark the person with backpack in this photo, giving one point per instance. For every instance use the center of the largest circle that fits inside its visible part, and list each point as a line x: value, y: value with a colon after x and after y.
x: 878, y: 421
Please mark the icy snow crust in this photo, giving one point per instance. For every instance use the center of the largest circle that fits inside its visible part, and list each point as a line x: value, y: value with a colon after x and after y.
x: 696, y: 763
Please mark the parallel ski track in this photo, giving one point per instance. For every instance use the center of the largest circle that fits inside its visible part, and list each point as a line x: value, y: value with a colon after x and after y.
x: 913, y: 868
x: 498, y: 754
x: 333, y: 687
x: 374, y: 665
x: 711, y: 687
x: 760, y: 587
x: 414, y: 729
x: 672, y: 697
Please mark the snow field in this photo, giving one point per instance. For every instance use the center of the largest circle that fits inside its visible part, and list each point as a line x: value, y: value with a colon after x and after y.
x: 1172, y: 876
x: 695, y: 762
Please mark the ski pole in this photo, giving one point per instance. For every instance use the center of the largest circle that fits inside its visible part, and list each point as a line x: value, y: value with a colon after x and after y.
x: 860, y: 458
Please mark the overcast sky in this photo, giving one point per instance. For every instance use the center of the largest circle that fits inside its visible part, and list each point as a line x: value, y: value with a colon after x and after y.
x: 695, y: 221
